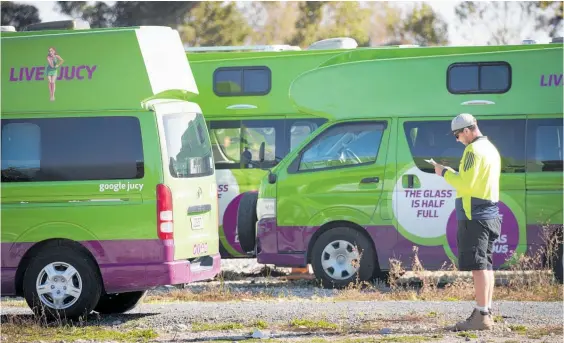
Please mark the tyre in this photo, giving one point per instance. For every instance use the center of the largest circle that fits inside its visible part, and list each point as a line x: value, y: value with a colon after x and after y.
x: 246, y: 221
x: 61, y: 282
x: 335, y: 257
x: 558, y: 264
x: 119, y: 302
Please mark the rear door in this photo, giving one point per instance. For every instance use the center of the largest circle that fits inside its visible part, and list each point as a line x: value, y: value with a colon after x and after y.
x: 189, y: 174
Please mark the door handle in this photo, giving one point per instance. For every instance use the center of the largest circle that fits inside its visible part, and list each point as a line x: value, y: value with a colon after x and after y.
x: 375, y: 179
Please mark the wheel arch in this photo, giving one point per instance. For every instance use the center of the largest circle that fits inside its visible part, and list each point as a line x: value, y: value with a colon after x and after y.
x: 37, y: 247
x: 341, y: 223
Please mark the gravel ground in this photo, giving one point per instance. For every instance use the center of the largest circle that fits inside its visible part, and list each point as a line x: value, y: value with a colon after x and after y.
x: 174, y: 322
x: 362, y: 321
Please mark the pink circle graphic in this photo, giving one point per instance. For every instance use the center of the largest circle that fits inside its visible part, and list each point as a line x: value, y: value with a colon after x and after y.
x: 503, y: 247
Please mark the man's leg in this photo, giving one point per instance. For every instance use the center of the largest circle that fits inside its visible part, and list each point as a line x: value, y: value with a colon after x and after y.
x: 472, y: 251
x: 494, y: 227
x: 491, y: 289
x: 481, y: 288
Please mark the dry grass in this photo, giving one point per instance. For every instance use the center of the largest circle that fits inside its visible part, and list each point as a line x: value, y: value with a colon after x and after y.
x: 525, y: 284
x: 538, y: 333
x: 211, y: 294
x: 531, y: 280
x: 18, y: 329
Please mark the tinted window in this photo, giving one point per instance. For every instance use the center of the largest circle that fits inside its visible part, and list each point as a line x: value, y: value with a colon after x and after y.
x: 343, y: 145
x: 300, y: 130
x: 71, y: 149
x: 256, y: 81
x: 432, y: 139
x: 486, y: 77
x: 494, y: 78
x: 544, y: 145
x: 463, y: 79
x: 236, y: 144
x: 188, y: 145
x: 233, y: 81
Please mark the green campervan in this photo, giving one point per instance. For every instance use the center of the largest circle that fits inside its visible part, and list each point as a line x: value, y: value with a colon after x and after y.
x: 358, y: 189
x: 243, y: 90
x: 108, y: 182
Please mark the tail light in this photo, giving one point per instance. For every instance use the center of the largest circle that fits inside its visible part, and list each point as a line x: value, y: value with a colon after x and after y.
x: 165, y: 224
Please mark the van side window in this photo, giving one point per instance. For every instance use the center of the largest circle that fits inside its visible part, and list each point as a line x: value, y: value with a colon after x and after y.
x: 238, y: 81
x: 479, y: 78
x: 236, y: 144
x: 544, y: 145
x: 431, y: 139
x: 71, y: 149
x: 343, y: 145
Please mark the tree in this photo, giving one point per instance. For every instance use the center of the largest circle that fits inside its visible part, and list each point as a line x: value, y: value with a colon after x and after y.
x: 348, y: 19
x: 383, y: 19
x: 307, y: 25
x: 272, y: 22
x: 550, y: 17
x: 423, y: 27
x: 129, y: 13
x: 19, y: 15
x: 215, y: 23
x: 509, y: 22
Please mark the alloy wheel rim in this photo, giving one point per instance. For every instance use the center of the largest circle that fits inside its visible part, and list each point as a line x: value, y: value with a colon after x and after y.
x: 59, y: 285
x: 339, y: 259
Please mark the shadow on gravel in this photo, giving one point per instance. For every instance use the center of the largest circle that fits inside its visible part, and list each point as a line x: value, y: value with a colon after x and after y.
x: 93, y: 320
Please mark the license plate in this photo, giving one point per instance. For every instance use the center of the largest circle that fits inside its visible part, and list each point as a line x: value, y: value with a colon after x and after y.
x: 197, y: 222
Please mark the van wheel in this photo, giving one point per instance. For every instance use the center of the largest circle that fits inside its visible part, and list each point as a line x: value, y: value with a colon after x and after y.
x: 61, y: 282
x: 558, y: 264
x: 119, y: 302
x: 335, y: 257
x: 246, y: 221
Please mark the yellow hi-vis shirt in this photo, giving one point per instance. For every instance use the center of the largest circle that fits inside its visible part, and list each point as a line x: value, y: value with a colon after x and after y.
x: 477, y: 181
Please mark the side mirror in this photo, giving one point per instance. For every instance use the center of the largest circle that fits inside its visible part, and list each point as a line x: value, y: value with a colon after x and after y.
x: 261, y: 152
x: 271, y: 178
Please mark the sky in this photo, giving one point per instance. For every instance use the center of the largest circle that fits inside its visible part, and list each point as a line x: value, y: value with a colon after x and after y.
x: 445, y: 8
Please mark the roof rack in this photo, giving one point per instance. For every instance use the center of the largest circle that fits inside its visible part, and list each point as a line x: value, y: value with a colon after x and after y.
x: 325, y: 44
x: 274, y: 47
x: 334, y: 43
x: 7, y: 28
x: 73, y: 24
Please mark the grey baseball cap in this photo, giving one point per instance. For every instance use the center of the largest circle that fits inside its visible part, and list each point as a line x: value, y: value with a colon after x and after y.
x: 461, y: 121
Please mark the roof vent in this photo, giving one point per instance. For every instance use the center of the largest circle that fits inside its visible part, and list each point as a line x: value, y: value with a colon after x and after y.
x: 334, y: 43
x: 556, y: 40
x: 7, y: 29
x: 73, y: 24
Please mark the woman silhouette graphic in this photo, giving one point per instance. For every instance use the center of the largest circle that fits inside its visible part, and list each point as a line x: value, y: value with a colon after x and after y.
x: 54, y: 61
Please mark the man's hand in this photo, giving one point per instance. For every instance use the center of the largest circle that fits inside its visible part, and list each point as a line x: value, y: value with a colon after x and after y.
x: 439, y: 169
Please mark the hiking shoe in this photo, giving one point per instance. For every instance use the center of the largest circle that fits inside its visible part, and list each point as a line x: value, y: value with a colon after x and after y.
x: 476, y: 321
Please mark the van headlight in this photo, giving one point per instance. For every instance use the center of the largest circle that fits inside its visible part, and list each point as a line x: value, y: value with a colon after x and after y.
x: 266, y: 208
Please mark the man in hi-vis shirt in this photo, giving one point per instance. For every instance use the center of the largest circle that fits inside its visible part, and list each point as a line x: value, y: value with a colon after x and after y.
x: 477, y: 212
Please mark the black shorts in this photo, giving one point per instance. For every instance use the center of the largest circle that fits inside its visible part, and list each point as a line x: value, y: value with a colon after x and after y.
x: 475, y: 243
